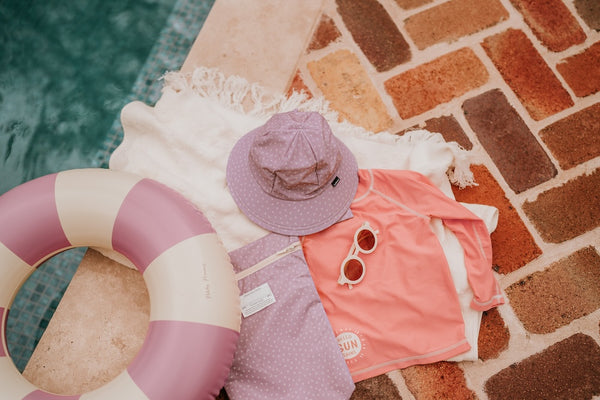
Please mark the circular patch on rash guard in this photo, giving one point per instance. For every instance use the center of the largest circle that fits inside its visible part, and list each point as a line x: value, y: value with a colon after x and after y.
x: 352, y: 344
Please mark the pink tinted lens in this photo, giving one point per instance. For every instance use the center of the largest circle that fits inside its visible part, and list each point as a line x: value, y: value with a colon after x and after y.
x: 353, y: 269
x: 365, y: 240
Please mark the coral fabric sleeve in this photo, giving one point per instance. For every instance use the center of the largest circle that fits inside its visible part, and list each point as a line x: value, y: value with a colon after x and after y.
x: 420, y: 194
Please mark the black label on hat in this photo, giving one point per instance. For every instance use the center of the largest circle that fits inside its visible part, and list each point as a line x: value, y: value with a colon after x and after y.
x: 336, y: 180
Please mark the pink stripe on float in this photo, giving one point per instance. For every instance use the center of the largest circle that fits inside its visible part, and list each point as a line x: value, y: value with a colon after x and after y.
x: 184, y: 360
x: 3, y: 317
x: 29, y: 223
x: 152, y: 218
x: 41, y: 395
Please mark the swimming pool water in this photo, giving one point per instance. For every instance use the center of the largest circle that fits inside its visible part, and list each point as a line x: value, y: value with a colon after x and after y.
x: 68, y: 67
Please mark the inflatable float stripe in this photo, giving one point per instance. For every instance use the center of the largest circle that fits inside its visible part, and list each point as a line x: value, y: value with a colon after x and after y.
x: 194, y: 300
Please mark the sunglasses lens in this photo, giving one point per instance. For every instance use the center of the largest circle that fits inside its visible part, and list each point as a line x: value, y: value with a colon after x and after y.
x: 365, y: 240
x: 353, y: 269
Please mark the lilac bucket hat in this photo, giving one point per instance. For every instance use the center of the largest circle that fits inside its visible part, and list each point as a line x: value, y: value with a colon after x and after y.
x: 292, y: 175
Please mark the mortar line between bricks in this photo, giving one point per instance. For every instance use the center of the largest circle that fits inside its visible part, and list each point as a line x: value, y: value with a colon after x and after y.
x: 400, y: 383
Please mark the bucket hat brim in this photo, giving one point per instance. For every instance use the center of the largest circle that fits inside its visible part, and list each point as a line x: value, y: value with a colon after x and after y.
x: 291, y: 217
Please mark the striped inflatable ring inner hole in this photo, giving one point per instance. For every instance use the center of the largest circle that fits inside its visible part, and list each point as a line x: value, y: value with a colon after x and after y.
x: 116, y: 336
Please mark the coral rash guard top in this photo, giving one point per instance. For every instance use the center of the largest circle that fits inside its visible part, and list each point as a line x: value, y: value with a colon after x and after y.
x: 406, y: 310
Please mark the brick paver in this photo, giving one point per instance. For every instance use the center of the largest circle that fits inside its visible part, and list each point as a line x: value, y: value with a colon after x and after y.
x: 442, y: 380
x: 326, y: 33
x: 345, y: 83
x: 407, y: 4
x: 589, y: 10
x: 379, y: 387
x: 527, y: 73
x: 582, y: 71
x: 509, y: 142
x: 450, y: 129
x: 493, y: 335
x: 552, y: 22
x: 565, y: 291
x: 569, y: 369
x: 436, y: 82
x: 375, y: 33
x: 512, y: 243
x: 567, y: 211
x: 452, y: 20
x: 574, y: 139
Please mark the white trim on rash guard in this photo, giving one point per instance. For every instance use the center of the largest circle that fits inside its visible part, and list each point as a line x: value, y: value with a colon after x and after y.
x: 399, y: 360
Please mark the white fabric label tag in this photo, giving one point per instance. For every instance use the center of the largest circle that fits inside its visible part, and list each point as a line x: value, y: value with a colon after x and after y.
x: 257, y: 299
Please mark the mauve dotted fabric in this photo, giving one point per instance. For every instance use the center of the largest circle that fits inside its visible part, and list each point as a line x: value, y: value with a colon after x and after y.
x: 282, y: 175
x: 287, y: 350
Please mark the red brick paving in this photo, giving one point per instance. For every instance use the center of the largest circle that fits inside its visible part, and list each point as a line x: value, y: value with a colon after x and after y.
x: 512, y: 244
x: 574, y: 139
x: 325, y: 34
x: 527, y: 73
x: 552, y: 22
x: 450, y: 130
x: 407, y: 4
x: 379, y: 387
x: 452, y: 20
x: 582, y: 71
x: 565, y: 291
x: 516, y: 83
x: 493, y: 335
x: 589, y: 10
x: 569, y: 369
x: 554, y: 221
x: 509, y: 142
x: 436, y: 82
x: 442, y: 380
x: 375, y: 32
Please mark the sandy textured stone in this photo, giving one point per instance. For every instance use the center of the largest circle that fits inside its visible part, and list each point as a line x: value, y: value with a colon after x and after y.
x: 524, y: 69
x: 96, y: 331
x: 582, y: 71
x: 512, y: 244
x: 452, y: 20
x: 439, y: 81
x: 567, y: 211
x: 567, y: 290
x: 569, y: 369
x: 552, y: 22
x: 245, y: 39
x: 347, y: 86
x: 574, y: 139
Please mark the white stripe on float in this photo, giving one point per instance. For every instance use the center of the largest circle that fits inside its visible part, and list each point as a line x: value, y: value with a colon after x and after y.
x: 13, y: 272
x: 88, y: 201
x: 122, y: 387
x: 194, y: 281
x: 13, y: 384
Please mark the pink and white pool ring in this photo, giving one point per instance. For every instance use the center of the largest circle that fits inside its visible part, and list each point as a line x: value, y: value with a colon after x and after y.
x: 194, y: 300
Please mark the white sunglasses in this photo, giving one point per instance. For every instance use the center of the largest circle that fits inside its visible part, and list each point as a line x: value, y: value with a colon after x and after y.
x: 352, y: 269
